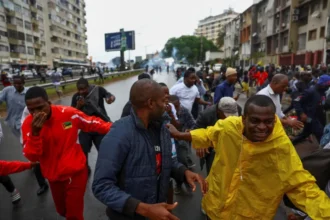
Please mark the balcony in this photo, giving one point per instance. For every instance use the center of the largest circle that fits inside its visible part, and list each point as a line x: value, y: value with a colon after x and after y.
x: 14, y: 55
x: 13, y: 41
x: 35, y: 21
x: 37, y: 45
x: 33, y: 9
x: 10, y: 12
x: 38, y: 58
x: 12, y: 26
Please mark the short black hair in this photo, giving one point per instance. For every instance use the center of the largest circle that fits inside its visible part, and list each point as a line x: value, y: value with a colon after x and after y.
x: 19, y: 77
x: 143, y: 76
x: 82, y: 81
x: 188, y: 73
x: 173, y: 98
x: 260, y: 101
x: 162, y: 84
x: 36, y: 92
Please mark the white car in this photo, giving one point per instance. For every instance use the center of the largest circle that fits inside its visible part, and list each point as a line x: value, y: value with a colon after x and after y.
x: 27, y: 74
x: 217, y: 67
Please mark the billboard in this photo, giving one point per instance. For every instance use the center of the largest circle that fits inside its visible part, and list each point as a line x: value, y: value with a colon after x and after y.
x: 120, y: 40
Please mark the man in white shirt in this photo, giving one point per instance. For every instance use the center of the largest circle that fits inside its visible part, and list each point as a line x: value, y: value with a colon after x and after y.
x: 187, y: 91
x: 277, y: 86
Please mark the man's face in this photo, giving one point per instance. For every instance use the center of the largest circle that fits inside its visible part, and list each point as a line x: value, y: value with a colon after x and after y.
x: 280, y: 87
x: 190, y: 81
x: 19, y: 85
x: 37, y: 105
x: 82, y: 90
x: 232, y: 79
x: 157, y: 104
x: 307, y: 77
x: 167, y: 94
x: 258, y: 123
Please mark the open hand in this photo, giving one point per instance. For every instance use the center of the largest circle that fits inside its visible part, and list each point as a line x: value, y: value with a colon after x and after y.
x: 159, y: 211
x: 192, y: 177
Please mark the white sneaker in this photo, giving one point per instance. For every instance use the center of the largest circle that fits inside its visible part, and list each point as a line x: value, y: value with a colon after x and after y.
x: 15, y: 197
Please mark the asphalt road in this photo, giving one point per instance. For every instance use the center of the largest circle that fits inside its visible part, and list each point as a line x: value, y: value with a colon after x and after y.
x: 42, y: 208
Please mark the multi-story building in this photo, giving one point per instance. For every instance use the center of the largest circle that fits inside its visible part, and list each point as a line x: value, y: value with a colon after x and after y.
x: 245, y: 36
x: 231, y: 40
x: 212, y: 25
x: 37, y: 33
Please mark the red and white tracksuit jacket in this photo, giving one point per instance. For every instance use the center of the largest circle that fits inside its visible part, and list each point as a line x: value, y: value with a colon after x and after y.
x: 57, y: 147
x: 10, y: 167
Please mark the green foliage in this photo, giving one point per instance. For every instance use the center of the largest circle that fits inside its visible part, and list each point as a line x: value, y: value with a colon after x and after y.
x: 221, y: 38
x: 188, y: 48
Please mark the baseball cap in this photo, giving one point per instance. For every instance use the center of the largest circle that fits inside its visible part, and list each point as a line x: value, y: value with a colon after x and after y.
x: 324, y: 80
x: 230, y: 71
x: 228, y: 106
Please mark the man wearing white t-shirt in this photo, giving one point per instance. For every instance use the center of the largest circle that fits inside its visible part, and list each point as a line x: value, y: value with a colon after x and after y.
x: 187, y: 91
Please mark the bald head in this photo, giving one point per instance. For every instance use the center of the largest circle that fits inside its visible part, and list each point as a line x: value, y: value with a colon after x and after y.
x: 279, y: 83
x: 143, y: 90
x: 278, y: 78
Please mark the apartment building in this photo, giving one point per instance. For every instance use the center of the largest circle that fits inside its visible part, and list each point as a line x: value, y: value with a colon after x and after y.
x: 246, y: 36
x: 212, y: 25
x: 36, y: 33
x: 231, y: 41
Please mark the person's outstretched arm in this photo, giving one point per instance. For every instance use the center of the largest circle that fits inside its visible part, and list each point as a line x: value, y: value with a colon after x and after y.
x: 10, y: 167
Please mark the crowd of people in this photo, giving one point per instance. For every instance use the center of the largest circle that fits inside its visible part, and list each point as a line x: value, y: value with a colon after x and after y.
x: 145, y: 157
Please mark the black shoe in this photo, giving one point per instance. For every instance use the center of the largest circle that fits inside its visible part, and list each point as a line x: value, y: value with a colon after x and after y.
x: 42, y: 189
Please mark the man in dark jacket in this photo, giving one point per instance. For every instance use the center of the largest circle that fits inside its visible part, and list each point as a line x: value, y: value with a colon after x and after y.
x: 90, y: 100
x: 128, y: 106
x: 226, y: 107
x: 135, y: 163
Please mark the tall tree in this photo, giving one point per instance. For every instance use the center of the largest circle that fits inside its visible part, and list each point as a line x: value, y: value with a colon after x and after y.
x: 188, y: 48
x: 221, y: 38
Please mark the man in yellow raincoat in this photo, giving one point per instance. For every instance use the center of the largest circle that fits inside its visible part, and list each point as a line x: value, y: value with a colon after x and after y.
x: 254, y: 166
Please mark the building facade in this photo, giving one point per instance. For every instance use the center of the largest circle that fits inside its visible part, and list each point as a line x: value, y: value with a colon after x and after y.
x: 212, y: 25
x: 36, y: 33
x: 232, y: 40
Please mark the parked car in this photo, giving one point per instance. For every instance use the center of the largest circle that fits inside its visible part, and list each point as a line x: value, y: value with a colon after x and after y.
x: 67, y: 72
x: 27, y: 74
x: 217, y: 67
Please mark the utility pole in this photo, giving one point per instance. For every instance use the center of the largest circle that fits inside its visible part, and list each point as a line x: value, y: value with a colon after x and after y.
x: 122, y: 50
x: 201, y: 48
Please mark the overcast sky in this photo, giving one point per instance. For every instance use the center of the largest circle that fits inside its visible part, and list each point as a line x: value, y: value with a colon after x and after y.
x: 154, y: 21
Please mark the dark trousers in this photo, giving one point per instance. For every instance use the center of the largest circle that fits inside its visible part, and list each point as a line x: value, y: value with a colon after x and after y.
x: 40, y: 178
x: 87, y: 140
x: 7, y: 183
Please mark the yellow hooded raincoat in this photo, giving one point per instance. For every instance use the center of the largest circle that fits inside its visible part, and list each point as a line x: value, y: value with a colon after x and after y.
x: 248, y: 180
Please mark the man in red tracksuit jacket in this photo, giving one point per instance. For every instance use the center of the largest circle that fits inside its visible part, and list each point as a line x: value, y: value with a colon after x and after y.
x: 50, y: 136
x: 10, y: 167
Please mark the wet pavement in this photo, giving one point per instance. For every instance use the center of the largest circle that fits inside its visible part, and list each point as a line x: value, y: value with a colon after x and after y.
x: 33, y: 207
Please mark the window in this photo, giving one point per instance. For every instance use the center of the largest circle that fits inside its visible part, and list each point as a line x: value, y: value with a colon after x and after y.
x: 17, y: 8
x: 44, y: 54
x: 39, y: 7
x: 20, y: 36
x: 2, y: 18
x: 12, y: 34
x: 312, y: 35
x: 29, y: 38
x: 28, y: 25
x: 26, y: 13
x: 3, y: 33
x: 322, y: 32
x: 325, y: 4
x: 19, y: 22
x: 25, y: 1
x: 4, y: 48
x: 315, y: 6
x: 30, y: 50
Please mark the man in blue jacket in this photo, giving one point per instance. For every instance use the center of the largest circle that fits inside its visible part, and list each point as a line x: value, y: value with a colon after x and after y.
x: 135, y: 164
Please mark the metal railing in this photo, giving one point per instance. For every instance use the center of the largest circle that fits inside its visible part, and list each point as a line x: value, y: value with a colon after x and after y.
x: 95, y: 76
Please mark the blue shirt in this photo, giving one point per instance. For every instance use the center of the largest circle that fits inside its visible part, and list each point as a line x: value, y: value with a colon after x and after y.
x: 223, y: 90
x: 15, y: 102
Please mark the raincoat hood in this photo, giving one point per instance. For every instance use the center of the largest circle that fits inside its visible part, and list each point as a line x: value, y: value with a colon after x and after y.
x: 248, y: 179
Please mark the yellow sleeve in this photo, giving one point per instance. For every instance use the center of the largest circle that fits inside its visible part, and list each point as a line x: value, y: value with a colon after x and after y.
x: 204, y: 138
x: 302, y: 189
